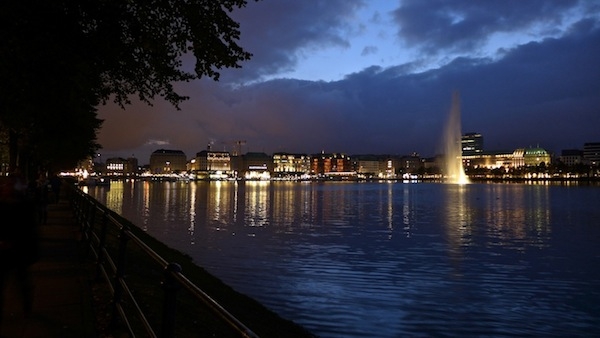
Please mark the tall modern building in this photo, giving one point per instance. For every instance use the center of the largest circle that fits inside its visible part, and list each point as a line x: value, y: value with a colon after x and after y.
x: 591, y: 153
x: 471, y: 144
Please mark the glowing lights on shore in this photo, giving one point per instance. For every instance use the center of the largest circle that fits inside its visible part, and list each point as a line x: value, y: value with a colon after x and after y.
x: 257, y: 175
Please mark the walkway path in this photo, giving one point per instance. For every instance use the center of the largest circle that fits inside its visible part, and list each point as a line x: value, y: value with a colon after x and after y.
x: 62, y: 296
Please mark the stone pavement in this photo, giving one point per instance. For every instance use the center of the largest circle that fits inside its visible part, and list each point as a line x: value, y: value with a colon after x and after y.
x: 62, y: 295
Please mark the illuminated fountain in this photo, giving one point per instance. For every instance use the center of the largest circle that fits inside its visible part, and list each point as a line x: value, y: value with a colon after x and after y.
x: 454, y: 171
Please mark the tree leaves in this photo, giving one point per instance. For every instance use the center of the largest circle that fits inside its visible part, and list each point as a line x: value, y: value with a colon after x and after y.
x: 61, y: 59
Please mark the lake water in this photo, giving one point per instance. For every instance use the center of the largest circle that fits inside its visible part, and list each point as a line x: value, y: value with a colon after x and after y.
x: 389, y: 259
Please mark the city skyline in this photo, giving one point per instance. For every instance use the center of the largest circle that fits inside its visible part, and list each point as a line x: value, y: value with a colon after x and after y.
x: 377, y: 77
x: 466, y: 151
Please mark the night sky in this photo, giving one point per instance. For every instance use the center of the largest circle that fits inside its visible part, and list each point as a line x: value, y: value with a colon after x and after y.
x: 377, y: 77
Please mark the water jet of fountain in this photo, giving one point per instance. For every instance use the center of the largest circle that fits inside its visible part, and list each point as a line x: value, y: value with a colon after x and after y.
x: 454, y: 170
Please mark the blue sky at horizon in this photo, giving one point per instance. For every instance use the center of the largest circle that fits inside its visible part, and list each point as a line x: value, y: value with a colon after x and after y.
x: 369, y: 41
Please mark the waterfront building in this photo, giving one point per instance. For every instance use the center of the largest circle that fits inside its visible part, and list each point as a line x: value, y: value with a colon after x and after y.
x: 255, y: 166
x: 287, y: 164
x: 411, y: 164
x: 115, y: 165
x: 571, y: 157
x: 434, y: 164
x: 331, y: 164
x: 366, y: 165
x: 536, y: 156
x: 518, y: 158
x: 119, y: 166
x: 164, y: 161
x: 471, y: 144
x: 132, y: 166
x: 216, y: 164
x: 591, y: 153
x: 493, y: 159
x: 389, y: 166
x: 375, y: 166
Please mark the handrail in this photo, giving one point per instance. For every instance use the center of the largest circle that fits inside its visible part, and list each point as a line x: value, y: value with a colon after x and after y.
x: 85, y: 209
x: 216, y: 307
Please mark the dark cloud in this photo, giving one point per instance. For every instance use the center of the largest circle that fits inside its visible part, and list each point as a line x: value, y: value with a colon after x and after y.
x: 277, y: 32
x: 440, y: 26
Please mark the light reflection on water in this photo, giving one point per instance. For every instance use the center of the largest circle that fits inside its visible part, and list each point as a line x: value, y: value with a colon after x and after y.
x: 388, y: 259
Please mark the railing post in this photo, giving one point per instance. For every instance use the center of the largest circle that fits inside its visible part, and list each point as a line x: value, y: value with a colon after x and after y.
x: 170, y: 287
x: 85, y: 209
x: 101, y: 244
x: 76, y: 200
x: 81, y: 209
x: 119, y: 274
x: 88, y: 228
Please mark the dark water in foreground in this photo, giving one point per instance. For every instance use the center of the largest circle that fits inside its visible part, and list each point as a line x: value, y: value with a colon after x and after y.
x: 390, y: 259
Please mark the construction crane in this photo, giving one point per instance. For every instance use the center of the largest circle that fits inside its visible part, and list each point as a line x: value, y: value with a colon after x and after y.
x: 211, y: 142
x: 237, y: 148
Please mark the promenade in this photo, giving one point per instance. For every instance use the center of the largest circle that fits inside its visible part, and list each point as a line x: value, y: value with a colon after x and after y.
x: 62, y: 296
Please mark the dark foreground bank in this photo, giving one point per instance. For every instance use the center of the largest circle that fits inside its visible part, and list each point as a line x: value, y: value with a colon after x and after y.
x: 61, y: 304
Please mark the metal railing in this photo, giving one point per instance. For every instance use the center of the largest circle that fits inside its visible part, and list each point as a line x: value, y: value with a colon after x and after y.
x: 108, y: 240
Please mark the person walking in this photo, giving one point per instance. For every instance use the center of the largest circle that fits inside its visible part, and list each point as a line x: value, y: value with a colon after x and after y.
x: 55, y: 183
x: 19, y: 241
x: 39, y: 190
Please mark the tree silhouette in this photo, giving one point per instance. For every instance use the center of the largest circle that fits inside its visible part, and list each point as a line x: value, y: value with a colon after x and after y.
x: 60, y: 60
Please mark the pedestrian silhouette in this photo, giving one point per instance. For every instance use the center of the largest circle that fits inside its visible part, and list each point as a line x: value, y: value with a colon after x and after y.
x: 39, y: 191
x: 19, y: 241
x: 55, y: 183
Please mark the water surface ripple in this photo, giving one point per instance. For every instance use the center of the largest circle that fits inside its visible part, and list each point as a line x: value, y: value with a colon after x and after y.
x: 389, y: 259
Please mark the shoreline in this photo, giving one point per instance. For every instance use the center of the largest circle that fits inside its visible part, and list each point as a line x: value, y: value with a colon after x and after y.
x: 249, y: 311
x: 472, y: 179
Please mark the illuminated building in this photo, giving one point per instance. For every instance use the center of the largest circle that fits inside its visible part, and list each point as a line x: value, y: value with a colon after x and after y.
x: 115, y: 165
x: 212, y: 161
x: 256, y: 166
x: 375, y: 166
x: 389, y: 167
x: 331, y: 164
x: 518, y: 158
x: 285, y: 164
x: 591, y: 153
x: 119, y: 166
x: 495, y: 159
x: 163, y: 161
x: 471, y: 144
x: 536, y: 156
